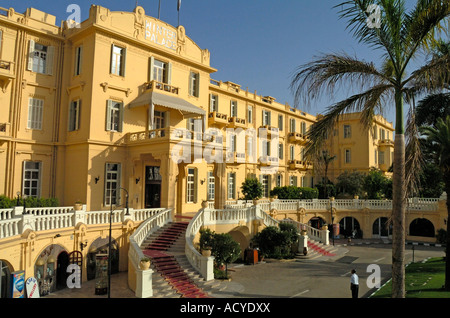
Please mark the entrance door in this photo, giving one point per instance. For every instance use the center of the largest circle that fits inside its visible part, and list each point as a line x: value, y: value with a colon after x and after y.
x: 61, y: 270
x: 153, y: 181
x: 381, y: 228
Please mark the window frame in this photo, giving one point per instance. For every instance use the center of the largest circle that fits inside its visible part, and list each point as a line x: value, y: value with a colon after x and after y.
x: 35, y: 113
x: 30, y: 179
x: 74, y: 115
x: 120, y: 59
x: 112, y: 184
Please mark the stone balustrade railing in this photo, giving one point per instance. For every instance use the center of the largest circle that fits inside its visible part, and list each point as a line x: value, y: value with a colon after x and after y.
x: 207, y: 216
x: 414, y: 204
x: 17, y: 220
x: 312, y: 232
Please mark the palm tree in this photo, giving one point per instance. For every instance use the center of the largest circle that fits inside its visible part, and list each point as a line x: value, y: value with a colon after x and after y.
x: 401, y: 37
x: 326, y: 159
x: 440, y: 136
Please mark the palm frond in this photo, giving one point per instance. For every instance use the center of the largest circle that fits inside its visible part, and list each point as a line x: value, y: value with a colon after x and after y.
x: 324, y: 74
x: 366, y: 103
x: 413, y: 155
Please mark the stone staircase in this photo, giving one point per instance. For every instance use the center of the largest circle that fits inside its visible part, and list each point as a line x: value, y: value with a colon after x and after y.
x: 173, y: 275
x: 316, y: 250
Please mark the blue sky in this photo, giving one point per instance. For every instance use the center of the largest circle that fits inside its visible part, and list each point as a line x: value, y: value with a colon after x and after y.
x: 255, y: 43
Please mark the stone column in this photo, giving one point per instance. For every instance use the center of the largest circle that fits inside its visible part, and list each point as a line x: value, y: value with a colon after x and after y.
x: 220, y: 180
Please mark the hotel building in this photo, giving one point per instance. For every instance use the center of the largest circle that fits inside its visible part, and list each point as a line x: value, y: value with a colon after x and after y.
x: 126, y: 101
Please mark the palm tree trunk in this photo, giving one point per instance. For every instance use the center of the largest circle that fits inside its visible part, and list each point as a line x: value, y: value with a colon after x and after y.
x: 447, y: 248
x: 398, y: 205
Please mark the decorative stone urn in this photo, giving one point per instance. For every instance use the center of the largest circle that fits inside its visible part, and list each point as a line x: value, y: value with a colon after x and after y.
x: 78, y: 206
x: 206, y: 252
x: 144, y: 264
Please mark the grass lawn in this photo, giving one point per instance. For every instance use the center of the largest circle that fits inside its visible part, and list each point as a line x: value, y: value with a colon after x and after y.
x: 423, y: 280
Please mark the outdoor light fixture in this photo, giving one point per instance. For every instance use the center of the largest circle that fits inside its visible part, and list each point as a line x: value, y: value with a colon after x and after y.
x: 83, y: 245
x: 138, y: 179
x: 96, y: 179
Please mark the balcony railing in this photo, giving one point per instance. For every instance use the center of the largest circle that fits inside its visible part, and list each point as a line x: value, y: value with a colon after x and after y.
x: 215, y: 118
x: 386, y: 142
x: 162, y: 87
x: 236, y: 122
x: 297, y: 137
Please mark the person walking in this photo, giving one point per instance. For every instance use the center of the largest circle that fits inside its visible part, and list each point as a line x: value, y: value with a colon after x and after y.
x: 354, y: 284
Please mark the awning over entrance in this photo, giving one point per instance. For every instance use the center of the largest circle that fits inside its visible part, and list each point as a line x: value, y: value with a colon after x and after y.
x: 186, y: 108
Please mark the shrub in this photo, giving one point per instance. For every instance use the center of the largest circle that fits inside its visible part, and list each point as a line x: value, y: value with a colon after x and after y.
x: 326, y: 190
x: 294, y: 193
x: 31, y: 202
x: 252, y: 189
x: 274, y: 242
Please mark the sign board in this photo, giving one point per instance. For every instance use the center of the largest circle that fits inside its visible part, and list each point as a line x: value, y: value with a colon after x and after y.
x: 18, y: 284
x: 160, y: 34
x: 32, y: 288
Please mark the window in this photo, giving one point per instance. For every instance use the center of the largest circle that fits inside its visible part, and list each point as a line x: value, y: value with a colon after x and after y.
x: 347, y: 131
x: 40, y: 58
x: 280, y: 122
x: 118, y: 60
x: 293, y: 181
x: 375, y: 132
x: 250, y: 150
x: 74, y: 115
x: 213, y: 103
x: 279, y: 180
x: 78, y: 60
x: 265, y: 185
x: 194, y: 84
x: 291, y: 153
x: 265, y: 148
x: 35, y: 113
x: 191, y: 185
x: 112, y: 183
x: 292, y: 125
x: 381, y: 157
x: 376, y: 156
x: 233, y: 108
x: 266, y: 117
x: 303, y: 127
x: 31, y: 181
x: 232, y: 143
x: 280, y: 151
x: 211, y: 186
x: 114, y: 116
x: 231, y: 186
x: 160, y: 71
x: 249, y: 114
x: 348, y: 156
x: 382, y: 132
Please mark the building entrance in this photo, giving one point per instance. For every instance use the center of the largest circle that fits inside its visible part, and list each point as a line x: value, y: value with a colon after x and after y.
x: 153, y: 180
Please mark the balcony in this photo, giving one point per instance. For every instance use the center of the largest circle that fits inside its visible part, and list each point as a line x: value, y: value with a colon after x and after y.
x: 297, y: 138
x: 234, y: 122
x: 268, y: 161
x: 270, y: 130
x: 386, y: 143
x: 7, y: 74
x: 299, y: 164
x: 217, y: 119
x: 154, y: 85
x: 236, y: 157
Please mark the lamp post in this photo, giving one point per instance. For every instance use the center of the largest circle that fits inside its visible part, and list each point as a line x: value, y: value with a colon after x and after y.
x: 332, y: 218
x: 110, y: 234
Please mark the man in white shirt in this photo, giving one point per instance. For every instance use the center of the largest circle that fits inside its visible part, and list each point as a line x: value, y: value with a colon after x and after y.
x: 354, y: 284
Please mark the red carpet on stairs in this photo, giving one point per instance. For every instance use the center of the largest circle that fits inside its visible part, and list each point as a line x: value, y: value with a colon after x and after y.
x: 167, y: 265
x: 319, y: 250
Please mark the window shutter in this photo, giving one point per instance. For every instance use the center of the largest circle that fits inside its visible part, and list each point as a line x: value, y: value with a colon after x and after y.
x: 30, y: 56
x: 50, y: 58
x: 124, y: 62
x: 190, y: 84
x: 121, y: 111
x: 118, y: 184
x: 169, y: 74
x: 197, y: 85
x: 150, y: 70
x: 112, y: 59
x: 78, y: 114
x: 167, y: 119
x: 108, y: 115
x: 71, y: 115
x: 195, y: 185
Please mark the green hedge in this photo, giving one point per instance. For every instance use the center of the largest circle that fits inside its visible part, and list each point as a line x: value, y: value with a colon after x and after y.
x: 295, y: 193
x: 6, y: 203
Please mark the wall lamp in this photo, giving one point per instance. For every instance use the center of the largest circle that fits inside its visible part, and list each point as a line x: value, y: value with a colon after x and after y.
x: 83, y: 245
x: 202, y: 181
x: 96, y: 179
x: 138, y: 179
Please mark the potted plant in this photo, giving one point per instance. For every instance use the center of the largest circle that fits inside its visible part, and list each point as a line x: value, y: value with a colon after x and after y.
x: 206, y: 251
x: 204, y: 204
x: 78, y: 205
x: 144, y: 264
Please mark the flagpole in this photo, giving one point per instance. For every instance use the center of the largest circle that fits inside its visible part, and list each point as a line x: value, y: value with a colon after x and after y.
x: 159, y: 10
x: 178, y: 8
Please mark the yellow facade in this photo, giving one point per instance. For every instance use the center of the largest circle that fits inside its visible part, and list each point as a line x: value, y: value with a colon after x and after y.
x: 107, y: 106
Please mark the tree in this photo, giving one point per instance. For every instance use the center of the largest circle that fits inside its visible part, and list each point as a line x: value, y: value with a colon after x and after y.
x: 401, y: 37
x: 350, y: 183
x: 326, y: 159
x: 376, y: 184
x: 441, y: 137
x: 225, y: 250
x: 252, y: 189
